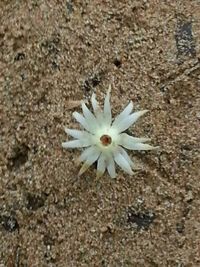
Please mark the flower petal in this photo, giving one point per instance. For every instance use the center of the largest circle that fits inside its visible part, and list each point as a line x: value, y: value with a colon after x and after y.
x: 141, y: 146
x: 76, y: 143
x: 90, y: 160
x: 87, y: 153
x: 128, y: 121
x: 129, y: 142
x: 128, y: 109
x: 122, y: 162
x: 126, y: 156
x: 111, y: 166
x: 97, y: 110
x: 107, y: 108
x: 81, y: 120
x: 76, y: 133
x: 95, y: 104
x: 90, y: 118
x: 101, y: 165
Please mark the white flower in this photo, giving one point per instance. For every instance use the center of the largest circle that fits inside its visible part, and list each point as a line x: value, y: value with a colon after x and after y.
x: 104, y: 139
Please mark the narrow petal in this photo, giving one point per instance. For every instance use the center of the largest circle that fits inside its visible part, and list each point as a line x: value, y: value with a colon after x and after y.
x: 141, y: 146
x: 76, y: 143
x: 107, y: 108
x: 126, y: 156
x: 81, y: 120
x: 101, y: 165
x: 89, y: 117
x: 87, y: 153
x: 128, y: 121
x: 97, y: 110
x: 129, y: 142
x: 122, y: 162
x: 95, y: 104
x: 91, y: 159
x: 111, y: 167
x: 76, y: 133
x: 128, y: 109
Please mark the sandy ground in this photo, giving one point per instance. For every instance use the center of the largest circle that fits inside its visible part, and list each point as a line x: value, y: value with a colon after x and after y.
x: 54, y: 54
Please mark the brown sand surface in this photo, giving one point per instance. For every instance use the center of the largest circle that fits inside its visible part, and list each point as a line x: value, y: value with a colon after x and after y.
x: 54, y: 54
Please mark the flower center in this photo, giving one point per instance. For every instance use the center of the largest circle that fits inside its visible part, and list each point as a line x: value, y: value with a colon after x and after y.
x: 106, y: 140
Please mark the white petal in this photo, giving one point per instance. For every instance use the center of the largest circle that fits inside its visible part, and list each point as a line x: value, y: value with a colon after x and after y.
x: 90, y: 160
x: 97, y: 110
x: 87, y: 153
x: 76, y: 143
x: 141, y: 146
x: 107, y: 108
x: 111, y: 167
x: 126, y: 156
x: 122, y: 162
x: 101, y: 165
x: 76, y: 133
x: 128, y: 109
x: 129, y: 142
x: 128, y: 121
x: 90, y: 118
x: 81, y: 120
x: 95, y: 104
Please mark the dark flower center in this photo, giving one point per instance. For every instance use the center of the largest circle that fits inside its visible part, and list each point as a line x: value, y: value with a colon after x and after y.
x: 106, y: 140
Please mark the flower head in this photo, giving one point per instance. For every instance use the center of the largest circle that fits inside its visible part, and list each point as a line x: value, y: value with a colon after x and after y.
x: 105, y: 138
